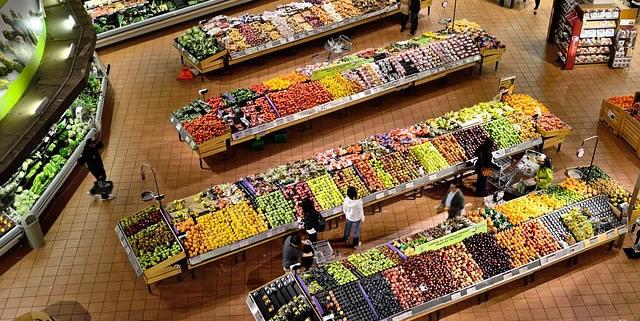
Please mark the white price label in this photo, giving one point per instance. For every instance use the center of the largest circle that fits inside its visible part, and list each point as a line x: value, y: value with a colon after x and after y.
x: 507, y: 276
x: 410, y: 185
x: 455, y: 296
x: 379, y: 196
x: 523, y: 269
x: 432, y: 177
x: 392, y: 191
x: 403, y: 316
x: 471, y: 290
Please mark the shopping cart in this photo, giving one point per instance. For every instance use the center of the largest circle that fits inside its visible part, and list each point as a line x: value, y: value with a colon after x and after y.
x: 323, y: 253
x: 514, y: 177
x: 338, y: 47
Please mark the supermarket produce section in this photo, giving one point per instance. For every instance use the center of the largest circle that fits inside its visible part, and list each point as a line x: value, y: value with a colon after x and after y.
x: 228, y: 218
x: 211, y: 126
x: 395, y: 282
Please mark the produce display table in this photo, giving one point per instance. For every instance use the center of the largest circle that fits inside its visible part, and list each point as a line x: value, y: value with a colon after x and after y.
x: 232, y: 217
x: 32, y: 189
x: 213, y: 126
x: 224, y: 58
x: 383, y: 295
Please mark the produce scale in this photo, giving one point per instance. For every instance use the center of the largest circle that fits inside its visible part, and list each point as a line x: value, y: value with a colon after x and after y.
x: 31, y: 189
x: 420, y: 274
x: 213, y: 125
x: 229, y: 218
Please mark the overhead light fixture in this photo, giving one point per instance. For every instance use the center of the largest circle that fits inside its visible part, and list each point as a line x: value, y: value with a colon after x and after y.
x: 40, y: 107
x: 70, y: 22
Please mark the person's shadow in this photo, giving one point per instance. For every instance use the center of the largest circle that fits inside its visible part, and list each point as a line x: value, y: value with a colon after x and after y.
x: 68, y: 311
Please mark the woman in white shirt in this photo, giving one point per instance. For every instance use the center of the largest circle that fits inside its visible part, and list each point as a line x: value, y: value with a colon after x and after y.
x: 354, y: 214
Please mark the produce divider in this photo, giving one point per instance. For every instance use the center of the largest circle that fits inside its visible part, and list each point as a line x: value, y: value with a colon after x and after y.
x: 148, y: 16
x: 229, y: 218
x: 543, y: 235
x: 213, y: 126
x: 31, y: 189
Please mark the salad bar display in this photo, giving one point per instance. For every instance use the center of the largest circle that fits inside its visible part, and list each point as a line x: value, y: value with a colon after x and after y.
x: 231, y: 217
x: 117, y: 20
x: 397, y: 286
x: 41, y: 175
x: 211, y: 126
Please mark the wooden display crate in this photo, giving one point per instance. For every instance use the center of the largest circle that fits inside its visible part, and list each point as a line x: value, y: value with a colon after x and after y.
x: 160, y: 269
x: 554, y: 141
x: 214, y: 146
x: 553, y: 133
x: 611, y: 116
x: 166, y: 272
x: 630, y: 131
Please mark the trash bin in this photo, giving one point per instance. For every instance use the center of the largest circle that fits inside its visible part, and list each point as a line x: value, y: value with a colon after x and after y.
x: 33, y: 231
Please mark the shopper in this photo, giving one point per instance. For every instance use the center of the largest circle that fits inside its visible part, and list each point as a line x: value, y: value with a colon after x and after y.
x: 484, y: 166
x: 404, y: 14
x: 544, y: 174
x: 414, y: 8
x: 91, y: 159
x: 313, y: 220
x: 291, y: 251
x: 453, y: 202
x: 307, y: 256
x: 354, y: 214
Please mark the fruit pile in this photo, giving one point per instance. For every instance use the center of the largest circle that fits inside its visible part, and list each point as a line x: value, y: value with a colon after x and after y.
x: 430, y: 270
x: 390, y: 254
x: 563, y: 196
x: 370, y: 262
x: 318, y: 280
x: 403, y: 166
x: 496, y: 221
x: 347, y: 177
x: 525, y: 126
x: 577, y: 221
x: 463, y: 268
x: 579, y: 186
x: 547, y: 200
x: 554, y: 225
x: 298, y: 192
x: 339, y: 86
x: 450, y: 149
x: 137, y: 222
x: 381, y: 296
x: 340, y: 273
x: 523, y: 209
x: 470, y: 139
x: 515, y: 244
x: 386, y: 178
x: 429, y: 157
x: 539, y: 238
x: 526, y: 104
x: 277, y: 208
x: 373, y: 182
x: 624, y: 102
x: 550, y: 122
x: 403, y: 289
x: 614, y: 191
x: 6, y: 224
x: 297, y: 309
x: 488, y: 254
x: 326, y: 192
x: 503, y: 133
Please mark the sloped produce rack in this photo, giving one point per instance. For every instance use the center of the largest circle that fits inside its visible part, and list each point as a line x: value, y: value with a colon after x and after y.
x: 259, y: 208
x: 119, y: 20
x: 386, y: 275
x: 44, y: 172
x: 213, y: 126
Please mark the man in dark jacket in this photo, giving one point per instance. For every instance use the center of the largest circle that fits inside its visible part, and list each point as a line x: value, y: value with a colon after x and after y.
x: 91, y: 159
x: 414, y: 10
x: 453, y: 202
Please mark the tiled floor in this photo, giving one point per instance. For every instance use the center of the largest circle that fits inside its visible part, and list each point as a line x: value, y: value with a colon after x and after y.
x: 82, y: 267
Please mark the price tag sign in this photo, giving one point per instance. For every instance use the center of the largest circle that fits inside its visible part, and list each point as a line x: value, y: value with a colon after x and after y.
x: 523, y: 269
x: 392, y: 191
x: 507, y: 276
x: 379, y: 196
x: 433, y: 177
x: 471, y: 290
x: 403, y: 316
x: 410, y: 185
x: 455, y: 296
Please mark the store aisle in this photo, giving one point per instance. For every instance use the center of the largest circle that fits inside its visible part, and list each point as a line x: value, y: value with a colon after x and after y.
x: 83, y: 262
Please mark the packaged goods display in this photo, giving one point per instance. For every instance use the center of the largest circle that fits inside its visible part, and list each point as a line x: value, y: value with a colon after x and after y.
x: 283, y: 300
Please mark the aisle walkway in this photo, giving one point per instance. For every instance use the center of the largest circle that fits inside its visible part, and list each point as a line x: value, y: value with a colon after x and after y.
x: 83, y: 261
